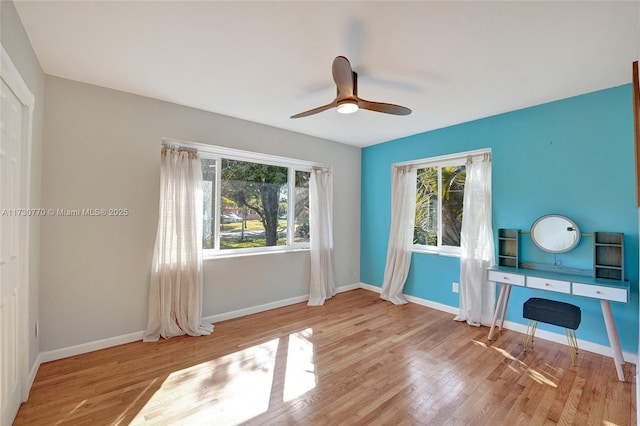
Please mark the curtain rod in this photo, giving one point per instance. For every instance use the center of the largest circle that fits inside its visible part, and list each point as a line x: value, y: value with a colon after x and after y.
x: 242, y: 155
x: 180, y: 148
x: 446, y: 157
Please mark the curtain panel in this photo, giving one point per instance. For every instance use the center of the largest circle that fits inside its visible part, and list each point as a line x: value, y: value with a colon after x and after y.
x: 477, y: 294
x: 322, y: 284
x: 175, y: 290
x: 403, y: 211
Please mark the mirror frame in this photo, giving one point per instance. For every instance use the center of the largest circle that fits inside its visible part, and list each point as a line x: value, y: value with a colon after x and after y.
x: 541, y: 247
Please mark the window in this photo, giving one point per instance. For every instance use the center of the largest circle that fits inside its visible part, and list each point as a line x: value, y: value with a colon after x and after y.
x: 439, y: 202
x: 253, y: 202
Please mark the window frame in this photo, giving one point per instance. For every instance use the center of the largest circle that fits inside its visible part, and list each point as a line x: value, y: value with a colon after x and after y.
x: 453, y: 160
x: 217, y: 153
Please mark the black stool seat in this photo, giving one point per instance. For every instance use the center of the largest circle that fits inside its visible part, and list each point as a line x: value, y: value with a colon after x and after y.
x: 552, y: 312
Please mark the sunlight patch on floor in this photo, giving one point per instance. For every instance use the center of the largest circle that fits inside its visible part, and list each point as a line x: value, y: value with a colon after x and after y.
x: 300, y: 376
x: 540, y: 378
x: 227, y: 390
x: 482, y: 344
x: 121, y: 418
x: 84, y: 401
x: 534, y: 374
x: 236, y: 387
x: 507, y: 355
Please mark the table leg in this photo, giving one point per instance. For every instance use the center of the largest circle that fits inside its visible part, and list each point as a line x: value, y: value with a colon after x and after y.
x: 618, y: 358
x: 495, y: 315
x: 504, y: 306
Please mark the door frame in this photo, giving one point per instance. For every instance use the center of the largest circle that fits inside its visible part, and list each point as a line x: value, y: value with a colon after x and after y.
x: 9, y: 73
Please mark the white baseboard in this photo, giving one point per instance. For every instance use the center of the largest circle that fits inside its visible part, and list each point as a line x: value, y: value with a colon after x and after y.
x: 32, y: 375
x: 417, y: 300
x: 349, y: 287
x: 268, y: 306
x: 433, y: 305
x: 520, y: 328
x: 370, y: 287
x: 89, y: 346
x: 253, y: 309
x: 77, y: 350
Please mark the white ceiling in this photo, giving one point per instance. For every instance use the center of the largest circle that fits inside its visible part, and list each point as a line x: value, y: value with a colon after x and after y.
x: 450, y: 62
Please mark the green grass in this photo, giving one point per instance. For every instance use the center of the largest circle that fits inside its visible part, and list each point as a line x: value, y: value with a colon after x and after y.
x: 252, y: 225
x: 247, y: 243
x: 233, y: 242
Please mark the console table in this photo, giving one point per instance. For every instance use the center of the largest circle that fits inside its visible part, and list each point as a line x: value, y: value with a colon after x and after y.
x: 605, y: 290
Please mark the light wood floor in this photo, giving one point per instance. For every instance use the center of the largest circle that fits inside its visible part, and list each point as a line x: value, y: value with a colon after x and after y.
x: 356, y: 360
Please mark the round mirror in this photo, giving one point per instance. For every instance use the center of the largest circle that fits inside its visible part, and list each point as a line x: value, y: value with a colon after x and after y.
x: 555, y: 234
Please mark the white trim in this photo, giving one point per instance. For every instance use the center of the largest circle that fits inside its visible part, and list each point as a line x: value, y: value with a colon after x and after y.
x: 417, y: 300
x: 448, y: 159
x: 268, y: 306
x: 252, y: 251
x: 9, y: 73
x: 447, y: 251
x: 215, y: 151
x: 370, y: 287
x: 210, y: 254
x: 433, y: 305
x: 14, y: 80
x: 254, y: 309
x: 456, y: 159
x: 218, y: 153
x: 90, y: 346
x: 34, y: 370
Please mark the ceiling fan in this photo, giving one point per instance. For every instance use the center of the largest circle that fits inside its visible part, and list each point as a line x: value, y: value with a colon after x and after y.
x: 347, y: 100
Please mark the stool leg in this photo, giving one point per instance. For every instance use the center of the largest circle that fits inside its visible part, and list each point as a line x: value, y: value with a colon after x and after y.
x: 573, y: 345
x: 531, y: 331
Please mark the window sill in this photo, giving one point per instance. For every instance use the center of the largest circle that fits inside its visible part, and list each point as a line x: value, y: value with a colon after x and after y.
x: 224, y: 255
x: 435, y: 252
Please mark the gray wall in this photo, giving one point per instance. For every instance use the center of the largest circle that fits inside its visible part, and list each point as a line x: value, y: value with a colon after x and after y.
x: 102, y: 150
x: 16, y: 43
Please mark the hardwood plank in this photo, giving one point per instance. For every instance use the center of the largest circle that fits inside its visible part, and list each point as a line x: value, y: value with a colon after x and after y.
x: 356, y: 360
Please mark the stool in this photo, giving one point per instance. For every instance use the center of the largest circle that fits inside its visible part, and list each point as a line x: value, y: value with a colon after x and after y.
x: 556, y: 313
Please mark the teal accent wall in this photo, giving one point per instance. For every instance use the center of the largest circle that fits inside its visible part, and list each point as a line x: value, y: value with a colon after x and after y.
x: 573, y: 157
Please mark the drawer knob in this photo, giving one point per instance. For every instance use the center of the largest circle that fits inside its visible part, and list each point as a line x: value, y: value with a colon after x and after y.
x: 506, y: 278
x: 547, y: 284
x: 598, y: 292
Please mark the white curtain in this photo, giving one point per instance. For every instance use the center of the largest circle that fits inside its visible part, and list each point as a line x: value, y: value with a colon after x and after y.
x: 403, y: 211
x: 175, y: 290
x: 322, y: 282
x: 477, y: 295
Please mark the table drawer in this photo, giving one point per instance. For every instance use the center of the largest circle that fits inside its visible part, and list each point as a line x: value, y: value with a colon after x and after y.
x: 551, y: 285
x: 505, y: 277
x: 600, y: 292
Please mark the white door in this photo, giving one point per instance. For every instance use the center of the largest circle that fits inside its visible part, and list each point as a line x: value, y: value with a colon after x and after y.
x: 10, y: 257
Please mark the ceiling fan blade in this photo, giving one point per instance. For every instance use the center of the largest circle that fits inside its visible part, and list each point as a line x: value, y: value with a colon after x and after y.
x: 316, y: 110
x: 343, y: 76
x: 383, y: 107
x: 347, y: 84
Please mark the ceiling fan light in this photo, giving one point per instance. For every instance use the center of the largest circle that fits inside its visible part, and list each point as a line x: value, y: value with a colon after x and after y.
x: 347, y: 107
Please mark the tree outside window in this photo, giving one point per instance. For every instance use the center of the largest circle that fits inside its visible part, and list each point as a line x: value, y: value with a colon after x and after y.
x: 439, y: 202
x: 258, y: 188
x: 253, y: 205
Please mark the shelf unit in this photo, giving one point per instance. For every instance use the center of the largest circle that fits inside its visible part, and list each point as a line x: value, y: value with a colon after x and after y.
x: 608, y: 255
x: 508, y: 247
